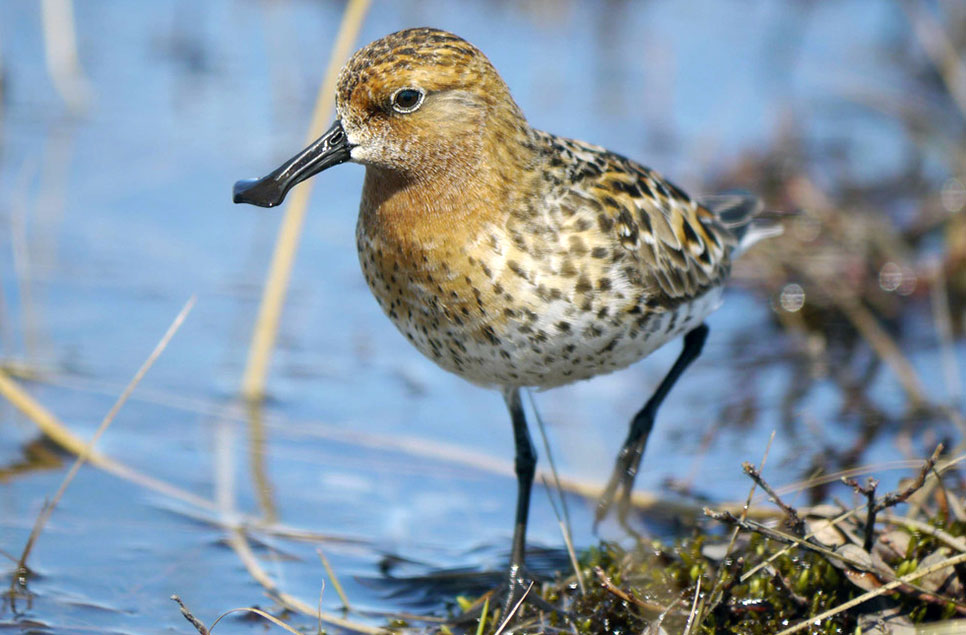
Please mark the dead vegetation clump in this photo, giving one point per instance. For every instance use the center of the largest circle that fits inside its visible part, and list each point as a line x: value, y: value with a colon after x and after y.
x: 831, y: 568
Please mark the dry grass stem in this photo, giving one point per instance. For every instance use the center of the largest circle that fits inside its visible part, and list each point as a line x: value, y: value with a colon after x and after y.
x: 941, y: 51
x: 957, y: 543
x: 335, y: 581
x: 655, y: 627
x: 57, y: 432
x: 838, y: 475
x: 882, y: 590
x: 43, y: 418
x: 764, y: 563
x: 568, y: 540
x: 257, y: 457
x: 717, y: 591
x: 286, y: 245
x: 694, y: 608
x: 20, y: 254
x: 617, y: 591
x: 239, y: 543
x: 412, y: 445
x: 85, y: 452
x: 516, y: 607
x: 881, y: 342
x: 60, y: 45
x: 203, y: 630
x: 572, y: 554
x: 550, y: 460
x: 248, y: 609
x: 857, y: 510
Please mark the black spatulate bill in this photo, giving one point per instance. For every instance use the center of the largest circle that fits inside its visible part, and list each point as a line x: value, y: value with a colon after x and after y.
x: 332, y: 148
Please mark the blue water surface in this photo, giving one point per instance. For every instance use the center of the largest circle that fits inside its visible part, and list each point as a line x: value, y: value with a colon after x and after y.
x: 112, y: 217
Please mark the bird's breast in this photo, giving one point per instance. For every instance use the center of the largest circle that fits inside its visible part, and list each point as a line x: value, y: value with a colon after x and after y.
x: 534, y: 300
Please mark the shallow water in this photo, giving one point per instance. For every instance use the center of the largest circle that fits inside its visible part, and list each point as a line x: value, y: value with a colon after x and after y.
x: 112, y: 218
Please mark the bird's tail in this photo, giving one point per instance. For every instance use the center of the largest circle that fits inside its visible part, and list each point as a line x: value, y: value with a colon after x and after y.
x: 744, y: 216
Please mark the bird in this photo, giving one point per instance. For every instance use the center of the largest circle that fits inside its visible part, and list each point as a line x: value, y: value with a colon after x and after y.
x: 510, y: 256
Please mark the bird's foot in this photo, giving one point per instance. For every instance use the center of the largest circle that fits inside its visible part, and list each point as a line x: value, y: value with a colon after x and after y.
x: 620, y: 485
x: 518, y: 590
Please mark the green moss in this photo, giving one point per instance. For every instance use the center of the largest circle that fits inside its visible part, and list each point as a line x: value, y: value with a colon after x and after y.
x: 627, y: 590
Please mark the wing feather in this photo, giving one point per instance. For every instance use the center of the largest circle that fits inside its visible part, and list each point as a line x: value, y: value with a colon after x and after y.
x: 680, y: 247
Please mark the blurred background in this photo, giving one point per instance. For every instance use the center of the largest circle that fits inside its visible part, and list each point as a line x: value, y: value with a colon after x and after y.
x: 122, y: 128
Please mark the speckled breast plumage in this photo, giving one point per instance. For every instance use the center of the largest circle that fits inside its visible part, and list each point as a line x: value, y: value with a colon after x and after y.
x: 601, y: 262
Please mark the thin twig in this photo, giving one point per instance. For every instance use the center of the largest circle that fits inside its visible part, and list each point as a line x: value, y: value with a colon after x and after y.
x: 783, y: 537
x: 830, y: 555
x: 945, y: 466
x: 615, y: 590
x: 793, y: 518
x: 767, y: 561
x: 718, y: 590
x: 188, y: 615
x: 868, y: 491
x: 894, y: 498
x: 932, y: 480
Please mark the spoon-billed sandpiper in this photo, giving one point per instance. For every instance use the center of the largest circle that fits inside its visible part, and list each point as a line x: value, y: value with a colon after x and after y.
x: 510, y: 256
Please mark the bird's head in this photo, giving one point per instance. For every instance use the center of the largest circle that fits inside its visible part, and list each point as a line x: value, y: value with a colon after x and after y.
x: 419, y: 104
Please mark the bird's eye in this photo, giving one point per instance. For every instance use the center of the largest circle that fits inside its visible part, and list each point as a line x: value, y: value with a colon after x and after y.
x: 406, y: 100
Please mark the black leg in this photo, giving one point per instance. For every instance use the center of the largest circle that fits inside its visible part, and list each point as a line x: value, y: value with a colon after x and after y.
x: 629, y: 458
x: 526, y: 463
